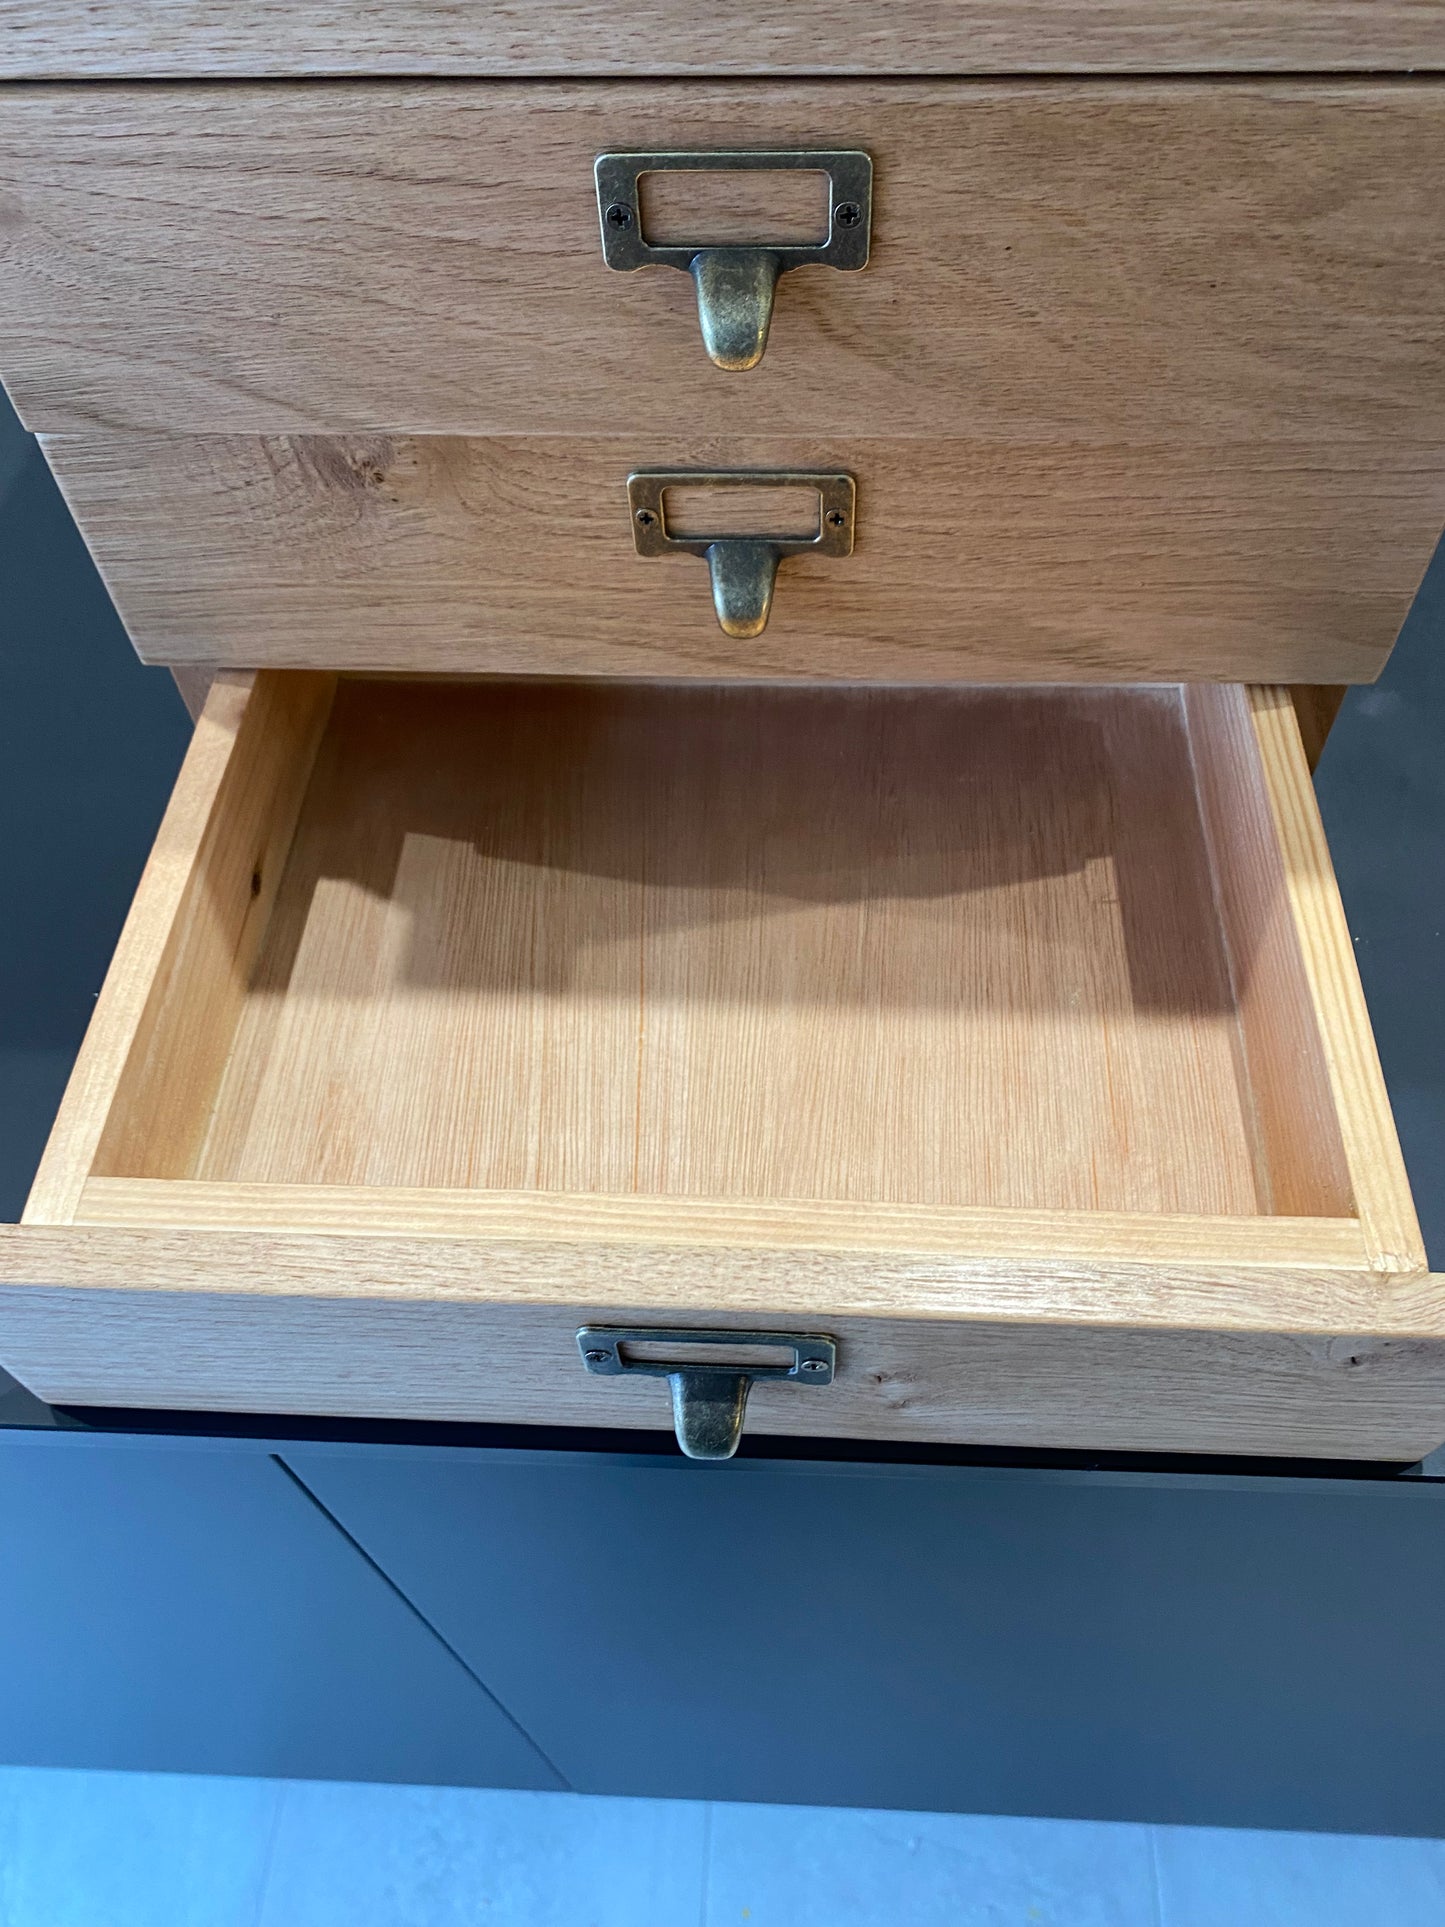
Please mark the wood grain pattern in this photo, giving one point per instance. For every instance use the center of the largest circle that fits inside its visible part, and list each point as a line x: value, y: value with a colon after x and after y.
x: 201, y: 980
x: 171, y: 999
x: 617, y: 938
x: 166, y: 886
x: 974, y: 562
x: 553, y: 962
x: 1178, y: 1264
x: 1372, y: 1149
x: 144, y: 39
x: 1201, y: 266
x: 1300, y: 1151
x: 340, y: 1349
x: 693, y: 1258
x: 631, y: 939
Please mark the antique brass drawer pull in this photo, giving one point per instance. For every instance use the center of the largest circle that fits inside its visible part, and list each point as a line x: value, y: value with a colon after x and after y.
x: 709, y: 1399
x: 743, y: 568
x: 735, y: 285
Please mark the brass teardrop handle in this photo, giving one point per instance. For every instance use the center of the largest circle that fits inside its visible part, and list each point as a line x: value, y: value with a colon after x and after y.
x: 736, y: 285
x: 743, y: 568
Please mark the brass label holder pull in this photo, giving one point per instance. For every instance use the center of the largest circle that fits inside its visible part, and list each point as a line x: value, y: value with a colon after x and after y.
x: 735, y: 285
x: 709, y: 1400
x: 743, y: 568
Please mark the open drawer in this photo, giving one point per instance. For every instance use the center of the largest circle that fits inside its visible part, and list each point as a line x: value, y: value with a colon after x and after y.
x: 1009, y: 1038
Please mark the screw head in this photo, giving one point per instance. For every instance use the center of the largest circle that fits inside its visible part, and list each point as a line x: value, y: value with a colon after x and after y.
x: 597, y: 1357
x: 619, y: 215
x: 813, y: 1366
x: 835, y: 518
x: 847, y: 214
x: 646, y: 518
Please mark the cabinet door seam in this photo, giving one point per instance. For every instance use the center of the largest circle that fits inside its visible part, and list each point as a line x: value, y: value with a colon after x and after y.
x: 564, y: 1784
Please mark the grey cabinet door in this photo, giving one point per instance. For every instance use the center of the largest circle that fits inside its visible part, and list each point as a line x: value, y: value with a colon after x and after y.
x: 188, y: 1610
x: 1253, y: 1651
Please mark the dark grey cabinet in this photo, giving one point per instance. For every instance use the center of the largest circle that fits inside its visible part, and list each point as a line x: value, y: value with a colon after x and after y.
x: 177, y: 1608
x: 1200, y: 1648
x: 1232, y: 1651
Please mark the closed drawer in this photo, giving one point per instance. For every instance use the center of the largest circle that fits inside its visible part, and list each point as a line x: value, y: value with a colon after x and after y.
x: 1217, y: 264
x: 515, y: 555
x: 1010, y: 1038
x: 1142, y: 379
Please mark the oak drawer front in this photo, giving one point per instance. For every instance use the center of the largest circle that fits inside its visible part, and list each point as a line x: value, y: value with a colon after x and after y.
x: 1183, y: 337
x: 1011, y: 1038
x: 971, y: 561
x: 1198, y: 265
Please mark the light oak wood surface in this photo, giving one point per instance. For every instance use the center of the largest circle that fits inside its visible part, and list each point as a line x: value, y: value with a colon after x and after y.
x: 272, y: 1343
x: 1282, y: 1055
x: 973, y: 562
x: 949, y: 948
x: 1291, y: 952
x: 197, y: 997
x: 537, y: 954
x: 174, y: 890
x: 143, y: 39
x: 1197, y: 266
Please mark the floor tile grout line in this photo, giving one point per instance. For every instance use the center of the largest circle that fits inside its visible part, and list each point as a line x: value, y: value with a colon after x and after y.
x: 282, y: 1792
x: 421, y: 1618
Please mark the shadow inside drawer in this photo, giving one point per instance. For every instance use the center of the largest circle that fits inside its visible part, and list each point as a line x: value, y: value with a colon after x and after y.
x: 921, y: 947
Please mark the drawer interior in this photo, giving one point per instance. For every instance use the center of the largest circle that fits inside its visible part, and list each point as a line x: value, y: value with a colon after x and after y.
x: 988, y: 947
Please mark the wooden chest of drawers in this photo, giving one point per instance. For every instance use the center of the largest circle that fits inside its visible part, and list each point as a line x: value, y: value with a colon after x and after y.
x: 1143, y: 380
x: 551, y: 976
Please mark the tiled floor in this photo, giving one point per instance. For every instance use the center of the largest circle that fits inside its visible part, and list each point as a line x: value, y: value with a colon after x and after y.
x: 140, y: 1850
